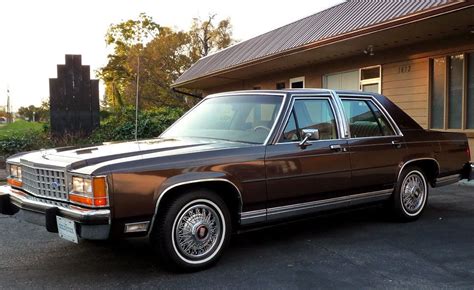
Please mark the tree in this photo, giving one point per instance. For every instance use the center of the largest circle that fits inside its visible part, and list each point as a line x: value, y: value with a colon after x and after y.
x: 127, y: 39
x: 161, y: 54
x: 40, y: 114
x: 208, y: 36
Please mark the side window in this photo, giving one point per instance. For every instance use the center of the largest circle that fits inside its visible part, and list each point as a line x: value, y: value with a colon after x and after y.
x: 365, y: 119
x: 384, y: 124
x: 311, y: 114
x: 290, y: 133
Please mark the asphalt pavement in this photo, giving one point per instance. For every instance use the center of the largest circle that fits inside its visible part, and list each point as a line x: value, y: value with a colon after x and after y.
x: 357, y: 250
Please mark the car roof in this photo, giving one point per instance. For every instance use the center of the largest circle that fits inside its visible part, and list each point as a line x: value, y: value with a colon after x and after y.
x: 294, y: 91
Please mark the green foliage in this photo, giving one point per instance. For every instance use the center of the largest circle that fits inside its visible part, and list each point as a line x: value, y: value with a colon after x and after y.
x: 21, y: 127
x: 24, y: 136
x: 157, y: 55
x: 151, y: 123
x: 21, y: 136
x: 41, y: 113
x: 207, y: 36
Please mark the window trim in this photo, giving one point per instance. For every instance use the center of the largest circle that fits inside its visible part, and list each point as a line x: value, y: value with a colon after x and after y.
x: 388, y: 117
x: 297, y: 80
x: 465, y: 87
x: 329, y: 98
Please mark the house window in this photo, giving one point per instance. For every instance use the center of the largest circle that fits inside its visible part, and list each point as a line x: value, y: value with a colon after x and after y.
x: 365, y: 79
x: 370, y: 80
x: 297, y: 83
x: 452, y: 92
x: 470, y: 91
x: 348, y: 80
x: 280, y: 86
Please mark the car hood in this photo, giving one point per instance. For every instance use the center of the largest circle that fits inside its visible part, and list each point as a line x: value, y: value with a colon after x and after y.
x: 77, y: 157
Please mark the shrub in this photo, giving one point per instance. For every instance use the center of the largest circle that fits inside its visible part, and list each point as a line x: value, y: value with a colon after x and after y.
x: 115, y: 127
x: 121, y: 126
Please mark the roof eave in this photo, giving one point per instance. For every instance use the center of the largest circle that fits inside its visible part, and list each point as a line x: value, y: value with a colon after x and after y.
x: 416, y: 17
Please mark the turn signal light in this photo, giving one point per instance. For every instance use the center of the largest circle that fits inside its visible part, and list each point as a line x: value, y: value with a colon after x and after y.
x: 14, y: 182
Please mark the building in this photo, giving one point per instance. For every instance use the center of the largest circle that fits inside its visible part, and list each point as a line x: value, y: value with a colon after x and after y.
x: 420, y: 54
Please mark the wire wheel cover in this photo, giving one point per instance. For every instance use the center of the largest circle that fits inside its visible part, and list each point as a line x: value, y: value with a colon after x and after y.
x: 198, y: 231
x: 413, y: 193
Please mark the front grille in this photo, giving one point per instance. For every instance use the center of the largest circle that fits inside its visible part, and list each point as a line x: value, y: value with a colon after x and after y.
x: 48, y: 183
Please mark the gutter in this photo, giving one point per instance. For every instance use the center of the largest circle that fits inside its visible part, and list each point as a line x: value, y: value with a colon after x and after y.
x: 409, y: 19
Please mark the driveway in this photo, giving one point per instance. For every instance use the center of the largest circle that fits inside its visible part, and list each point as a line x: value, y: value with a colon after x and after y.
x: 361, y: 249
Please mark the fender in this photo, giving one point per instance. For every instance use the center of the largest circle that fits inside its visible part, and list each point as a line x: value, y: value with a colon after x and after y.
x: 191, y: 178
x: 404, y: 164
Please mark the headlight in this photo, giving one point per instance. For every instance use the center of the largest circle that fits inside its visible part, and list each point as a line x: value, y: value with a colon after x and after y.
x: 14, y: 175
x: 89, y: 191
x: 15, y: 171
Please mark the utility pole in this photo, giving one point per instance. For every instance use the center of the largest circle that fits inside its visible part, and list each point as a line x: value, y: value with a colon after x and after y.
x: 9, y: 109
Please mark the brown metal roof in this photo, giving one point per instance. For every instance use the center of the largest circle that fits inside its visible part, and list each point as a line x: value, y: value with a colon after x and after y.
x: 345, y: 18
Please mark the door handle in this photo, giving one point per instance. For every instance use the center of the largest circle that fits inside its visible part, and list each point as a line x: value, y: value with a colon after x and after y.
x: 335, y: 147
x: 396, y: 144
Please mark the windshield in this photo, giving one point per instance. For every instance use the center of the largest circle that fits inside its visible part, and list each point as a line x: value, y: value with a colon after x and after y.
x: 242, y: 118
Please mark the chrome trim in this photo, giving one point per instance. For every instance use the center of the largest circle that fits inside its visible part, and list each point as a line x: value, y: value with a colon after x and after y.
x: 312, y: 206
x: 416, y: 159
x: 275, y: 123
x: 30, y: 203
x: 310, y: 96
x: 36, y: 187
x: 163, y: 193
x: 343, y: 124
x: 254, y: 216
x: 442, y: 181
x: 382, y: 109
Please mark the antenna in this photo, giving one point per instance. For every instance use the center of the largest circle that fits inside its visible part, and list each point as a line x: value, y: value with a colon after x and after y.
x: 136, y: 99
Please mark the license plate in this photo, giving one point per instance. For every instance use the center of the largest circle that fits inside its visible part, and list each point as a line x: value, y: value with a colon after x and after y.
x: 67, y: 229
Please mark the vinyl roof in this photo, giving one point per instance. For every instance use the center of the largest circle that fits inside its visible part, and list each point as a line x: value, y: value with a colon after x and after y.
x: 345, y: 18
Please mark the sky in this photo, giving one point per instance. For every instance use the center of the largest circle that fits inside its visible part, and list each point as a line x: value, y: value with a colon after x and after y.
x: 36, y: 35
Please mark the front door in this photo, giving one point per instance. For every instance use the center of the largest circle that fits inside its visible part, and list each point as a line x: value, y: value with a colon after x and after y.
x: 304, y: 174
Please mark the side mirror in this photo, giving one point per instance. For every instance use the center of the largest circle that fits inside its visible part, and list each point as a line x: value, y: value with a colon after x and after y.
x: 308, y: 134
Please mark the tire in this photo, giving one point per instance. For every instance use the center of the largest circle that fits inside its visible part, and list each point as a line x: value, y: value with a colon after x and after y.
x: 187, y: 240
x: 410, y: 195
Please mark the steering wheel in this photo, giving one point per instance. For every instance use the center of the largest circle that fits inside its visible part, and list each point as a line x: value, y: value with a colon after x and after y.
x: 261, y: 127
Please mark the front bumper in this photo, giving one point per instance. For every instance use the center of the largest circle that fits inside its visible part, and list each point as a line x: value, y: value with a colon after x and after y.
x: 91, y: 224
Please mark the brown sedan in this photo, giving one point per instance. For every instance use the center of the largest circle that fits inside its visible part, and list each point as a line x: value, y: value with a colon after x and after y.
x: 237, y: 160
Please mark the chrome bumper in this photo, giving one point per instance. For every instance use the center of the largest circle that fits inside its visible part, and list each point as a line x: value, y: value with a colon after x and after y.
x: 91, y: 224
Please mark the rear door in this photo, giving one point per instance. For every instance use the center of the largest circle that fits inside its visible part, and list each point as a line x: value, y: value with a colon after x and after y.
x: 375, y: 144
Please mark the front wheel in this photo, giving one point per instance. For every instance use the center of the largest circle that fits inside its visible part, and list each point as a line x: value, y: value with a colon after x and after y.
x: 411, y: 194
x: 192, y: 231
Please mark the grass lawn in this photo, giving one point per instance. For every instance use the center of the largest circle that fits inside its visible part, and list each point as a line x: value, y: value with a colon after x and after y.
x: 18, y: 127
